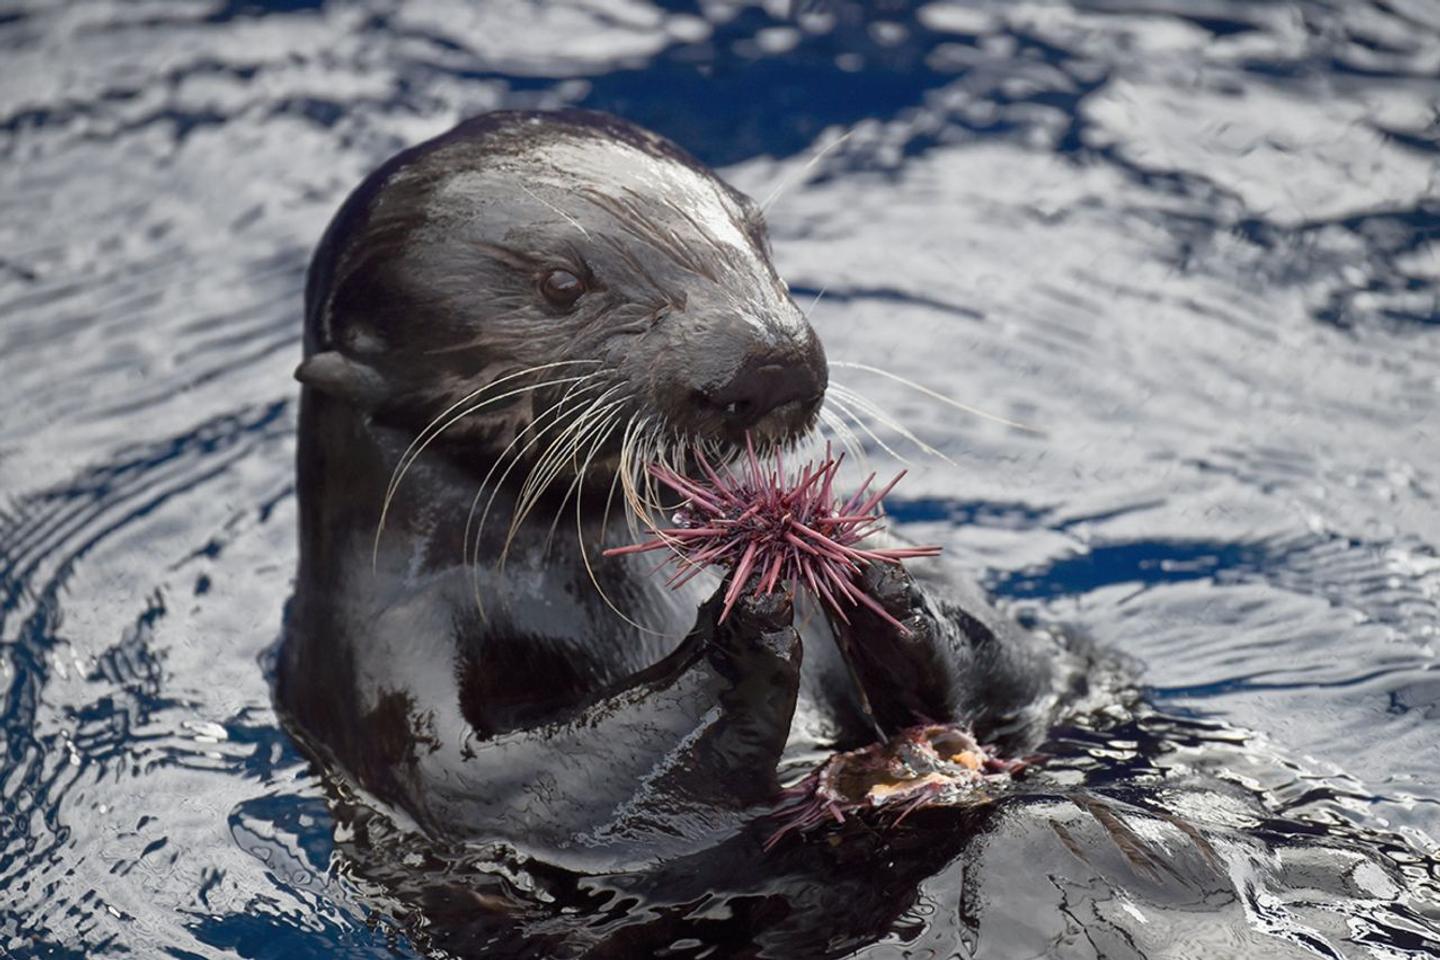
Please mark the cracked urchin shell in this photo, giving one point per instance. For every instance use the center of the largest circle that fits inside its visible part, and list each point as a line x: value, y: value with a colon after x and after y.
x: 936, y: 765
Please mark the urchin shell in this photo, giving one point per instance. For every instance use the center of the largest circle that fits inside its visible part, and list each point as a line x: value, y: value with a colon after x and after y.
x: 934, y: 765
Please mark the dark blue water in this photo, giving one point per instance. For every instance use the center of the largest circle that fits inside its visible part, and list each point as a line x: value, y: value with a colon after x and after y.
x: 1194, y: 242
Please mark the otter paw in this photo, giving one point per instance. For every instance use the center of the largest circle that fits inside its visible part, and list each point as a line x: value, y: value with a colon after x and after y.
x: 765, y: 612
x: 891, y: 585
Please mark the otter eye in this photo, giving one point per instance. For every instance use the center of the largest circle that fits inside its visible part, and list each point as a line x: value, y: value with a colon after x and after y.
x: 562, y: 288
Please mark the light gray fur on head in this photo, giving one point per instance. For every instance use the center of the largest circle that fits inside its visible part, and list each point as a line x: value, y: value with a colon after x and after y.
x: 432, y: 284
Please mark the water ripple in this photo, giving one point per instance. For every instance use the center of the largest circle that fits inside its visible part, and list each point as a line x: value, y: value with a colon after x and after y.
x: 1195, y: 243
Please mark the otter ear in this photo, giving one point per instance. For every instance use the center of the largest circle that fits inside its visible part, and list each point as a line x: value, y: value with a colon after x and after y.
x: 339, y: 376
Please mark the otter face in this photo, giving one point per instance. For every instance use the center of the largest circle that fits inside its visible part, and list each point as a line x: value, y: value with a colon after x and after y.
x: 576, y: 246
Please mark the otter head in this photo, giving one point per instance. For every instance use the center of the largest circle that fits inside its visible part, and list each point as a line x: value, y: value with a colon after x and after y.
x: 530, y: 263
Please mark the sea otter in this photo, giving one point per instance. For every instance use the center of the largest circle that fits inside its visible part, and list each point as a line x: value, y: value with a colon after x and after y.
x: 517, y: 308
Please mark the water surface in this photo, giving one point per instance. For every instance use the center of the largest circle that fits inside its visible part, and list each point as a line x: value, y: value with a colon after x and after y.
x: 1194, y: 242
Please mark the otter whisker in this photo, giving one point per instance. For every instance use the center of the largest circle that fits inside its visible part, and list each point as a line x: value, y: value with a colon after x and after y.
x: 808, y: 440
x: 604, y: 427
x: 815, y: 303
x: 552, y: 461
x: 564, y: 446
x: 839, y: 405
x: 845, y: 435
x: 614, y: 485
x: 921, y: 388
x: 423, y: 436
x: 650, y: 497
x: 556, y: 210
x: 665, y: 450
x: 490, y: 502
x: 604, y: 525
x: 405, y: 463
x: 435, y: 428
x: 865, y: 405
x: 633, y: 472
x: 625, y: 470
x: 553, y: 415
x: 643, y: 503
x: 531, y: 487
x: 804, y: 171
x: 655, y: 450
x: 596, y: 432
x: 600, y: 435
x: 426, y: 436
x: 553, y: 451
x: 658, y: 453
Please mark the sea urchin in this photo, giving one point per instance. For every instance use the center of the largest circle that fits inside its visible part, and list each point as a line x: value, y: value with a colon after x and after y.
x: 762, y: 520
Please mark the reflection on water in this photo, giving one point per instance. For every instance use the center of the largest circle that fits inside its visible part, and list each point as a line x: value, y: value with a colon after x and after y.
x: 1195, y: 242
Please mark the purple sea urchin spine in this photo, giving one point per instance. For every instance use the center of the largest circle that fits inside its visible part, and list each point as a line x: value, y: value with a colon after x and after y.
x: 762, y: 522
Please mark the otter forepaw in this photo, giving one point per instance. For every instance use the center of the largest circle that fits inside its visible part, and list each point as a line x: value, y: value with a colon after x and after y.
x: 765, y: 612
x: 758, y: 637
x: 896, y: 650
x: 892, y: 588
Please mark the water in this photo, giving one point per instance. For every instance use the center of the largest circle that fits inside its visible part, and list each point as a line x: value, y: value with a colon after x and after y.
x: 1195, y: 242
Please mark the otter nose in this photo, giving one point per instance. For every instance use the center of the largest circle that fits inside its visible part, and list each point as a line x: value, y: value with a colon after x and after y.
x: 767, y: 382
